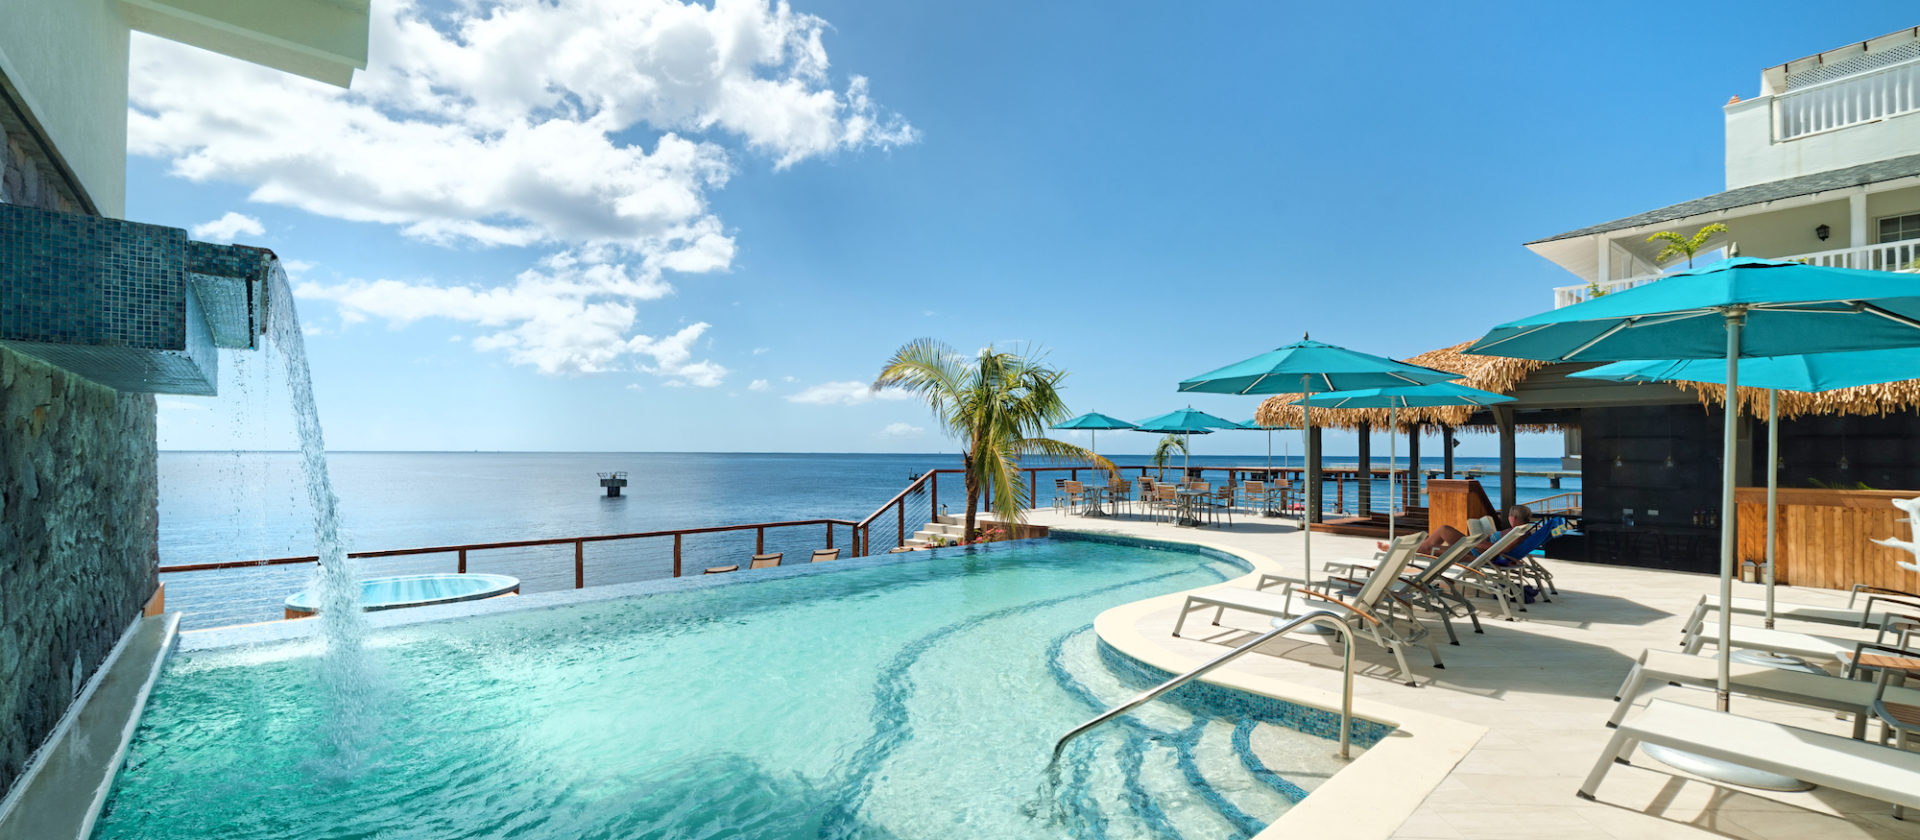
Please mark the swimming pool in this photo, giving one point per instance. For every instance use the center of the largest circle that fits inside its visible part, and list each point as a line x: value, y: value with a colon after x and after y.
x: 900, y: 697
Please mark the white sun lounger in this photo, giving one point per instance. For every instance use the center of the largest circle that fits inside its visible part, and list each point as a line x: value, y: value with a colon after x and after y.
x: 1858, y: 767
x: 1804, y: 645
x: 1847, y: 616
x: 1852, y: 697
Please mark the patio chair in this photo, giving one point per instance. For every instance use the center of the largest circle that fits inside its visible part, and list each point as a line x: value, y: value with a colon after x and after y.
x: 1876, y: 772
x: 1255, y: 490
x: 1059, y: 493
x: 1076, y: 495
x: 1121, y: 492
x: 1224, y: 502
x: 1519, y: 558
x: 720, y: 570
x: 765, y: 561
x: 1166, y: 499
x: 1422, y: 589
x: 822, y: 555
x: 1373, y: 612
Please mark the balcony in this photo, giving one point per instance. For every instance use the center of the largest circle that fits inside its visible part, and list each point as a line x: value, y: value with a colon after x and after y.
x: 1902, y: 257
x: 1887, y: 91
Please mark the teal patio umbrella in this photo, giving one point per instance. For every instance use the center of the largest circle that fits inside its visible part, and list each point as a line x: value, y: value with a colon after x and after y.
x: 1811, y: 372
x: 1186, y: 421
x: 1093, y: 422
x: 1735, y: 308
x: 1310, y: 367
x: 1394, y: 399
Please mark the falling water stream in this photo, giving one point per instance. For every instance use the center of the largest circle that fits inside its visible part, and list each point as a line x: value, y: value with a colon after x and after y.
x: 346, y: 675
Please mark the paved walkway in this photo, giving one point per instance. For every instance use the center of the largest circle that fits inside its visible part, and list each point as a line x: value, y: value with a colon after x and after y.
x: 1543, y: 687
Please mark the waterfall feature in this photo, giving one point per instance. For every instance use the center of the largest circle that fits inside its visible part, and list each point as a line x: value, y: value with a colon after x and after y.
x: 345, y: 672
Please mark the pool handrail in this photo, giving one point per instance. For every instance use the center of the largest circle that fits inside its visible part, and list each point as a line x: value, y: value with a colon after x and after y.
x: 1325, y: 618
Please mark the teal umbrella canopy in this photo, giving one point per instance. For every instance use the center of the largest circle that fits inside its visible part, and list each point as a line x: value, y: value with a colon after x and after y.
x: 1186, y: 421
x: 1308, y: 366
x: 1811, y: 372
x: 1095, y: 421
x: 1789, y: 308
x: 1255, y: 426
x: 1439, y: 393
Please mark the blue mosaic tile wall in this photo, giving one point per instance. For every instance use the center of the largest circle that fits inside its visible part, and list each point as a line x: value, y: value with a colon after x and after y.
x: 132, y: 306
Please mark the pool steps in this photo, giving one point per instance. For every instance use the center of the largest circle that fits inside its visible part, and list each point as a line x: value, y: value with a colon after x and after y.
x: 1163, y: 772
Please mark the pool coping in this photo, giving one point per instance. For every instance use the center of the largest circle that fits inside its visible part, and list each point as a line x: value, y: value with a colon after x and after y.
x: 1372, y: 796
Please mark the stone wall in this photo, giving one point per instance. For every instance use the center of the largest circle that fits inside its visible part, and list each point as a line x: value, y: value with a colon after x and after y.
x: 78, y: 509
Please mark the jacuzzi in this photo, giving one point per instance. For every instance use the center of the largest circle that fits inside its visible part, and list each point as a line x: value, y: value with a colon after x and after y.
x: 392, y: 593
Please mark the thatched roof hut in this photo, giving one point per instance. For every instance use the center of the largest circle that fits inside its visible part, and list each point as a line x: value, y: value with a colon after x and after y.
x: 1488, y: 373
x: 1865, y: 401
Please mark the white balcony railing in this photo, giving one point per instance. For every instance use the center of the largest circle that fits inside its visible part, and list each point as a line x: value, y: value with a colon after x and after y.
x: 1851, y: 100
x: 1902, y: 256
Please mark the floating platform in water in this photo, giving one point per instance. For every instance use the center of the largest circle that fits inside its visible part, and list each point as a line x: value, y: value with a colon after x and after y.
x: 613, y: 481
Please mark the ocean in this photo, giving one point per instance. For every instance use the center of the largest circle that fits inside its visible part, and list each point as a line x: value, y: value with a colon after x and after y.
x: 234, y: 506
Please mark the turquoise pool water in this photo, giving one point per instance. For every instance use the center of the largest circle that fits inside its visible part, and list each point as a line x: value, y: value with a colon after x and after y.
x: 891, y: 698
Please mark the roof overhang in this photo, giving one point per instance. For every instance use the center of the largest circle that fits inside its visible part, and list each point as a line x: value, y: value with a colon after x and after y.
x: 324, y: 40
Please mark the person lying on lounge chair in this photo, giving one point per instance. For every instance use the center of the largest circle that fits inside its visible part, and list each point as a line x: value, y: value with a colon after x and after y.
x: 1445, y: 536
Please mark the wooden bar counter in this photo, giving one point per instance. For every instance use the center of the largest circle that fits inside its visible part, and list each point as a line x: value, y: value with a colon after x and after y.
x: 1823, y: 536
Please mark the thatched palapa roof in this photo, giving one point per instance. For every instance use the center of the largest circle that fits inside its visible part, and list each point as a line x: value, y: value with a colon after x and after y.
x: 1488, y: 373
x: 1866, y: 400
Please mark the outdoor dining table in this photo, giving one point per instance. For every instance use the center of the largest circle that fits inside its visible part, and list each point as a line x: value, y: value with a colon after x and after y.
x: 1098, y: 497
x: 1190, y: 500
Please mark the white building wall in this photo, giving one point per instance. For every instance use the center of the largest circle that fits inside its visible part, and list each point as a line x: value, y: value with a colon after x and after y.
x: 67, y: 61
x: 1753, y: 157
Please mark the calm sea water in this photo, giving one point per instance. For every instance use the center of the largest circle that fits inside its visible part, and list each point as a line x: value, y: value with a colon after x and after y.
x: 223, y: 506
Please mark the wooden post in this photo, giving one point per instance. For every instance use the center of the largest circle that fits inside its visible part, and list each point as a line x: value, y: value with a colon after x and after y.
x: 463, y: 561
x: 1446, y: 451
x: 1503, y: 418
x: 1363, y: 492
x: 933, y: 500
x: 1413, y: 466
x: 829, y: 535
x: 1033, y: 490
x: 900, y: 536
x: 676, y: 554
x: 1315, y: 478
x: 579, y: 564
x: 760, y: 540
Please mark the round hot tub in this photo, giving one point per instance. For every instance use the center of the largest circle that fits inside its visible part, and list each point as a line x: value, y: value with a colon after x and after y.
x: 392, y: 593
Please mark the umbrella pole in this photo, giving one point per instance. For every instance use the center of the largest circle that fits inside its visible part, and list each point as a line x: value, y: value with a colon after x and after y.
x: 1728, y: 529
x: 1773, y: 484
x: 1306, y: 526
x: 1392, y: 441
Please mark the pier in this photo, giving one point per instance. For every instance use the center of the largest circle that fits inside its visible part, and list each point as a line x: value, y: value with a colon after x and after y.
x: 613, y: 481
x: 1553, y: 476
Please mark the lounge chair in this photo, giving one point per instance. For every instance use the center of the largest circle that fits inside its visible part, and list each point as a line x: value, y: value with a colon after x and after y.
x: 1843, y: 616
x: 1422, y: 588
x: 1804, y: 645
x: 765, y: 561
x: 720, y: 570
x: 1850, y: 697
x: 1373, y: 613
x: 1870, y: 770
x: 822, y: 555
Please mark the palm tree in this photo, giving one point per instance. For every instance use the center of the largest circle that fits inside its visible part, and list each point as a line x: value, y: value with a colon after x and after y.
x: 1163, y: 452
x: 999, y: 405
x: 1687, y: 246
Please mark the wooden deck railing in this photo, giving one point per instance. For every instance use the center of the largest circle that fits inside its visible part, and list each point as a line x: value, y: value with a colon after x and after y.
x: 1557, y: 503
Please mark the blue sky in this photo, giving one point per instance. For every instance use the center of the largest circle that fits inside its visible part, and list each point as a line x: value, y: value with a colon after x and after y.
x: 1145, y: 191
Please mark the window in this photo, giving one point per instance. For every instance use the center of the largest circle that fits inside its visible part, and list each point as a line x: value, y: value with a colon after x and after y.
x: 1896, y: 228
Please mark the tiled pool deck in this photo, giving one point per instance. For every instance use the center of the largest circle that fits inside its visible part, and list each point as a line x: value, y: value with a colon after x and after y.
x: 1542, y: 689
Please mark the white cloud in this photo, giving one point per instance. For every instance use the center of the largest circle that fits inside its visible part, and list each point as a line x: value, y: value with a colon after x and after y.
x: 758, y: 351
x: 757, y: 385
x: 597, y: 130
x: 673, y: 357
x: 848, y: 392
x: 634, y: 386
x: 227, y: 228
x: 901, y: 430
